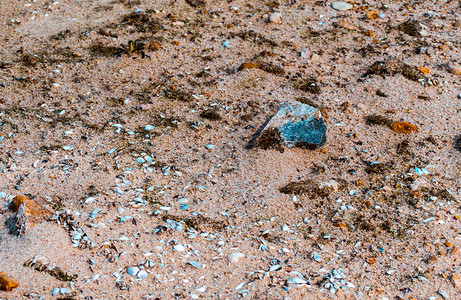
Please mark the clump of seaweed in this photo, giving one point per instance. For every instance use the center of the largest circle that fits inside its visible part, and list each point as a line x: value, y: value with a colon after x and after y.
x: 270, y: 139
x: 306, y: 187
x: 310, y: 85
x: 393, y: 66
x: 265, y: 66
x: 254, y: 37
x: 378, y: 120
x: 210, y: 114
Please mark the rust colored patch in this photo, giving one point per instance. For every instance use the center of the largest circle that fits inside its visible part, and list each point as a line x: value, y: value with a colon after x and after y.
x: 404, y: 127
x: 7, y: 283
x: 424, y: 70
x: 28, y: 211
x: 372, y: 14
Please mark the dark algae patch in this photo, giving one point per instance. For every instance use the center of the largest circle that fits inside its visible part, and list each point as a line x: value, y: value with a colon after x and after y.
x: 210, y: 114
x: 378, y: 120
x: 310, y: 85
x: 305, y: 187
x: 393, y: 66
x: 270, y: 139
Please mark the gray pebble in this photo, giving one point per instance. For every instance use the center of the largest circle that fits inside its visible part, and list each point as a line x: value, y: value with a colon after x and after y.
x: 341, y: 6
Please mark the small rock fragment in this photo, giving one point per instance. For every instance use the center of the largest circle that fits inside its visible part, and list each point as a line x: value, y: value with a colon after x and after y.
x: 404, y: 127
x: 28, y: 214
x: 235, y: 257
x: 294, y: 124
x: 455, y: 70
x: 347, y: 25
x: 412, y: 28
x: 456, y: 251
x: 456, y: 280
x: 372, y: 14
x: 341, y: 6
x: 7, y: 283
x: 275, y: 18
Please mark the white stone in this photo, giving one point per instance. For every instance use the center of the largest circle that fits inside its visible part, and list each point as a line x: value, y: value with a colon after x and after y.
x: 341, y: 6
x: 235, y: 257
x: 275, y: 18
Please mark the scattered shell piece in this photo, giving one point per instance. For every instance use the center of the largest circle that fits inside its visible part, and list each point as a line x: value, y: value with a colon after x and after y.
x: 142, y: 274
x: 296, y: 281
x: 240, y: 286
x: 179, y: 248
x: 133, y: 271
x: 194, y: 264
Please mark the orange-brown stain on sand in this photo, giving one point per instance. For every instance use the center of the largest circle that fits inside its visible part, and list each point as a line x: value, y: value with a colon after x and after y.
x: 404, y: 127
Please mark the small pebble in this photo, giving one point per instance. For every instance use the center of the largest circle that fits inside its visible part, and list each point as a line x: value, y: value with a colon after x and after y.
x: 341, y: 6
x: 209, y: 146
x: 235, y: 257
x: 455, y: 70
x: 7, y: 283
x: 456, y: 280
x: 149, y: 127
x: 275, y: 18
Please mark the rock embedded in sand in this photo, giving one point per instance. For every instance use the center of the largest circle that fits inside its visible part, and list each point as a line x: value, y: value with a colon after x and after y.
x: 347, y: 25
x: 28, y: 213
x: 7, y: 283
x: 275, y: 18
x: 235, y: 257
x: 456, y: 280
x: 404, y: 127
x: 341, y: 6
x: 372, y: 14
x: 455, y: 70
x: 294, y: 125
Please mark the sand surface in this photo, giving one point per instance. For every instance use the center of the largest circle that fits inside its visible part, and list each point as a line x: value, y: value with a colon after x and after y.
x: 81, y: 80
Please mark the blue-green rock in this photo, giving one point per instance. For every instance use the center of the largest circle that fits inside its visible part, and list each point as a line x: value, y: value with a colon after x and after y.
x: 294, y: 125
